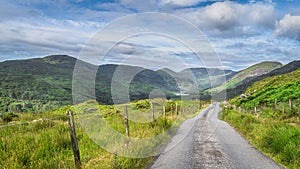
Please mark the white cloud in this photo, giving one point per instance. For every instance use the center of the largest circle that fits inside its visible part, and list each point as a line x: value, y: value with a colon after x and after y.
x: 180, y: 2
x: 289, y: 26
x: 232, y: 18
x: 44, y: 37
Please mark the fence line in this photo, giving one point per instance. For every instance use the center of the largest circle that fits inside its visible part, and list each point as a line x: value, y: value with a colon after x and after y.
x: 276, y: 106
x: 174, y: 110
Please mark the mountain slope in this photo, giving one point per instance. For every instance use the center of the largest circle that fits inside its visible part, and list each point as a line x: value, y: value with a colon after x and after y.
x: 252, y: 71
x: 208, y: 77
x: 43, y: 83
x: 281, y: 87
x: 35, y: 83
x: 239, y: 89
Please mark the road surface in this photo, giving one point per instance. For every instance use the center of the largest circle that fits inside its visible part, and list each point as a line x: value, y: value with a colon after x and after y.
x: 210, y: 144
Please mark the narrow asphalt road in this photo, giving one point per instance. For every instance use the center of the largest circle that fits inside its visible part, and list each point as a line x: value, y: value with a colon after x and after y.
x: 210, y: 143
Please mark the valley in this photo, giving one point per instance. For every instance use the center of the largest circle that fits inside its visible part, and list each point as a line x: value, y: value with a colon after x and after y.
x: 262, y: 104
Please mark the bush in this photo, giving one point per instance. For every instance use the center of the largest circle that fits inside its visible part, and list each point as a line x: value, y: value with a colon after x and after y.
x: 8, y: 117
x: 143, y: 104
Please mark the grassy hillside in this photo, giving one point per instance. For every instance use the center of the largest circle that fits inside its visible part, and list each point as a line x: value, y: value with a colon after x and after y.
x: 45, y: 83
x: 282, y: 88
x: 42, y: 140
x: 239, y: 89
x: 252, y: 71
x: 35, y: 84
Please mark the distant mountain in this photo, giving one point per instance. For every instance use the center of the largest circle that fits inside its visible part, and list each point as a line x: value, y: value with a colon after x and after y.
x: 41, y: 84
x: 239, y: 89
x: 251, y: 72
x: 44, y: 83
x: 208, y: 77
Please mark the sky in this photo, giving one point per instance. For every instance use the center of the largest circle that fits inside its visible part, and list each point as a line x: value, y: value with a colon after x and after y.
x: 160, y: 33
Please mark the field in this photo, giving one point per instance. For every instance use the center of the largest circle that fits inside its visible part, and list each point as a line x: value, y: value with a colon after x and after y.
x: 42, y: 140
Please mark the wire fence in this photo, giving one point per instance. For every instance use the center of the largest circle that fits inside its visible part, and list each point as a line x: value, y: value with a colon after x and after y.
x: 290, y: 106
x: 174, y: 110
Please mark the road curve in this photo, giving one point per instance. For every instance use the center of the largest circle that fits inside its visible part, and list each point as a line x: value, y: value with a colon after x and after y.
x: 211, y: 144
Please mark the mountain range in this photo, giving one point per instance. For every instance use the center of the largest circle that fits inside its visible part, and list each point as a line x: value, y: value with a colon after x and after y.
x: 42, y: 84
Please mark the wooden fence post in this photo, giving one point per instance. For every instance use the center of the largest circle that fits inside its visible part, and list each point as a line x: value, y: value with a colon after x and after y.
x: 126, y: 121
x: 176, y: 108
x: 265, y: 106
x: 74, y: 139
x: 275, y: 105
x: 164, y: 111
x: 299, y: 109
x: 291, y: 104
x: 255, y: 110
x: 152, y: 107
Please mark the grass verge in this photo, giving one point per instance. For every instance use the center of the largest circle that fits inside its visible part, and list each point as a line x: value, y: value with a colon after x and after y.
x: 277, y: 138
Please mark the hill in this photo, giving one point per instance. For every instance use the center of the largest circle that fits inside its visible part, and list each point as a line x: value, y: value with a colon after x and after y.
x: 207, y: 78
x: 251, y: 72
x: 42, y: 84
x: 280, y: 88
x: 239, y: 89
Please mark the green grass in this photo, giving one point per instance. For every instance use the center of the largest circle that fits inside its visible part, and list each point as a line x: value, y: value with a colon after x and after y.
x: 280, y: 88
x: 46, y: 143
x: 277, y: 138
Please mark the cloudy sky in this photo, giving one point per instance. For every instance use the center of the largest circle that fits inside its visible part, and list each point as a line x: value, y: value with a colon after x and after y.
x: 240, y: 33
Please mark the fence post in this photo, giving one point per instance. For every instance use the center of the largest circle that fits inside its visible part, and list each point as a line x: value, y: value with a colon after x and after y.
x: 126, y: 121
x: 265, y: 106
x: 291, y: 104
x: 164, y: 111
x: 176, y: 108
x: 299, y: 110
x: 275, y: 105
x: 74, y: 139
x: 152, y: 107
x: 255, y: 110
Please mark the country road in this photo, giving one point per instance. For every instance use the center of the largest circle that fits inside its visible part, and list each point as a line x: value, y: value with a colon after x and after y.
x: 211, y: 144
